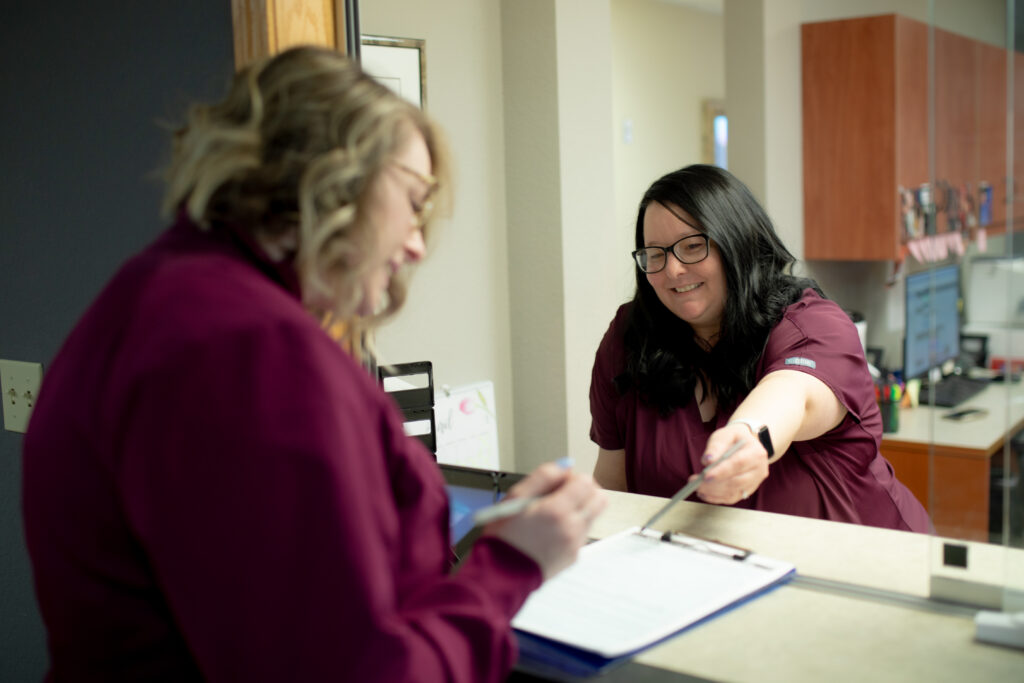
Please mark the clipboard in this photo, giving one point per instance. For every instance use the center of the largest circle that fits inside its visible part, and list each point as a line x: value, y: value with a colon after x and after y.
x: 630, y: 591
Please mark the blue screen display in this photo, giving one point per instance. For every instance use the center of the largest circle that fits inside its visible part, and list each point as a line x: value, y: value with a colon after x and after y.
x: 933, y: 320
x: 463, y: 502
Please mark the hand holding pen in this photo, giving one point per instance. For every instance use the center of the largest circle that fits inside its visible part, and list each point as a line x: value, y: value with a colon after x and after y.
x: 728, y: 480
x: 692, y: 485
x: 552, y: 525
x: 512, y: 506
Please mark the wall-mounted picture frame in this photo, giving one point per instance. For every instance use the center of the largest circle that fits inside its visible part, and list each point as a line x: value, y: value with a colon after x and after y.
x: 399, y: 63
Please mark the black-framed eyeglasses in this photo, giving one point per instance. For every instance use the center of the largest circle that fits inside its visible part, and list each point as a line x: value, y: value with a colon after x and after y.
x: 689, y: 250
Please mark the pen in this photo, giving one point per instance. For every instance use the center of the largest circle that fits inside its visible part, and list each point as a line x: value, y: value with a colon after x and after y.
x: 512, y: 506
x: 693, y: 485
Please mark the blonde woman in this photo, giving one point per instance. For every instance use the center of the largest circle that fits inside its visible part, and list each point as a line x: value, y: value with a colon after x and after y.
x: 213, y: 489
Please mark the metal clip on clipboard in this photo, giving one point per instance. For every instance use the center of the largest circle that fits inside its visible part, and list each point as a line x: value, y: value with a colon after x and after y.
x: 700, y: 544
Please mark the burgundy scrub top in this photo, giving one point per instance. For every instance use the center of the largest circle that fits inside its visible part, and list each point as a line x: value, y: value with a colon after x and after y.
x: 213, y: 490
x: 839, y: 476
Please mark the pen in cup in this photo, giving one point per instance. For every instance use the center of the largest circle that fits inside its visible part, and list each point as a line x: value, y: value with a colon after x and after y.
x: 512, y: 506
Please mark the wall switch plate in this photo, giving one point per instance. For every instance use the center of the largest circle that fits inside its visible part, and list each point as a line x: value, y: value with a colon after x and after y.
x: 19, y: 386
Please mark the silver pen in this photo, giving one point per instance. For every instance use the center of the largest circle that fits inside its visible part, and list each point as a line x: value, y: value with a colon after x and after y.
x: 692, y: 485
x: 506, y: 508
x: 512, y: 506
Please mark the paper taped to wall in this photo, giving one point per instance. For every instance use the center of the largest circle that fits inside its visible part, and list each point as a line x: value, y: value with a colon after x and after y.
x: 467, y: 428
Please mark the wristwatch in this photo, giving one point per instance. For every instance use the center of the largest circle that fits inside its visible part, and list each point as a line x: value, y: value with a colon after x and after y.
x: 761, y: 431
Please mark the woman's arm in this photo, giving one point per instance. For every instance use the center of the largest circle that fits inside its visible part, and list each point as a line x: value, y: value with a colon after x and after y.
x: 794, y: 405
x: 610, y: 470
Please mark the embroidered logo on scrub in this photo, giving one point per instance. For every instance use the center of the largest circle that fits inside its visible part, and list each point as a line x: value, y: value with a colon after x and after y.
x: 806, y: 362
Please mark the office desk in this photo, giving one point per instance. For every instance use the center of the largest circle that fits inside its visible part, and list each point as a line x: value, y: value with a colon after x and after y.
x: 956, y: 456
x: 796, y: 634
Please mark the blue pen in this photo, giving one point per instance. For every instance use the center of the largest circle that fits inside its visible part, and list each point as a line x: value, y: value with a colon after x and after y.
x: 512, y: 506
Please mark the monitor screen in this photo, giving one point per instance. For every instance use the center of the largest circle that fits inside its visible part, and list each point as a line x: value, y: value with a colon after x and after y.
x: 469, y: 490
x: 933, y: 320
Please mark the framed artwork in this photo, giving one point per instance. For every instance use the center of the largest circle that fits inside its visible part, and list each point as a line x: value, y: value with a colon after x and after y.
x: 399, y: 63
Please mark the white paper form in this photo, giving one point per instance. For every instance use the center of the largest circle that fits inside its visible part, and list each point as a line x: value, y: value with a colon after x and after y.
x: 630, y: 590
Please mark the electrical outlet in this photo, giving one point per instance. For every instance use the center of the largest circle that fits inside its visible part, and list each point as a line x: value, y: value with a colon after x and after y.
x: 19, y: 382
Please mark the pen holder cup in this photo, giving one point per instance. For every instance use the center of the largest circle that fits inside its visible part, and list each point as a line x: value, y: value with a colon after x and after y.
x: 890, y: 416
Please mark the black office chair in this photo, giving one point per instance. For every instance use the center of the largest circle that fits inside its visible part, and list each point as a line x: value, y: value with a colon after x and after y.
x: 417, y: 403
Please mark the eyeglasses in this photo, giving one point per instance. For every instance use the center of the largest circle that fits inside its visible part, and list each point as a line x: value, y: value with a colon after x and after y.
x: 690, y: 249
x: 420, y: 210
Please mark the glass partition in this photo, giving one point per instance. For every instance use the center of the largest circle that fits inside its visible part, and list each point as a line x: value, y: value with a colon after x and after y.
x: 956, y: 206
x: 950, y: 238
x: 975, y: 204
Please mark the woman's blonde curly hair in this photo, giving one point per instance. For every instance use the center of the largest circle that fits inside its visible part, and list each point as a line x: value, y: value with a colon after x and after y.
x: 299, y: 140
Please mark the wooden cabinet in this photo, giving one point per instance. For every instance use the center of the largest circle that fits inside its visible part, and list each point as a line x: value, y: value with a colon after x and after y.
x: 953, y: 484
x: 866, y: 125
x: 948, y: 464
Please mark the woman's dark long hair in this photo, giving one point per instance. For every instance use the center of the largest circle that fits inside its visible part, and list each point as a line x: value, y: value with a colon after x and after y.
x: 663, y: 360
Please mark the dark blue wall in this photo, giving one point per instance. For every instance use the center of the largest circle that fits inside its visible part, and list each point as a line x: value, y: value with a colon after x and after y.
x: 84, y: 86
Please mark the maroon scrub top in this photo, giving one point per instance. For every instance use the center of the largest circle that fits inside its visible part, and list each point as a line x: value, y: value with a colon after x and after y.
x: 839, y: 476
x: 213, y: 490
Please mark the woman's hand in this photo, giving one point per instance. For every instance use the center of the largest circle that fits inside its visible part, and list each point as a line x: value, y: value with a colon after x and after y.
x: 553, y: 528
x: 795, y: 405
x: 739, y: 476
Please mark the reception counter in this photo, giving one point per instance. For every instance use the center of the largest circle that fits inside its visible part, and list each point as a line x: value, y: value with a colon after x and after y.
x: 858, y: 609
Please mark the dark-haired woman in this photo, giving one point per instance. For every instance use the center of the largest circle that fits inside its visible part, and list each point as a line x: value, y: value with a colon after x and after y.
x: 721, y: 344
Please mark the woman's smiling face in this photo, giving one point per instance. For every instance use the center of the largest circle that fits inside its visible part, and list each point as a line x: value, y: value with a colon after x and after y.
x: 694, y: 292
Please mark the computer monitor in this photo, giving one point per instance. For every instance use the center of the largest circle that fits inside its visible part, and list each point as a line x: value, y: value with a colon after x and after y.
x: 933, y: 320
x: 469, y: 490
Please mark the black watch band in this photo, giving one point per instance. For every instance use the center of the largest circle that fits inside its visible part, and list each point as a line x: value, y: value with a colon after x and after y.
x: 766, y: 440
x: 762, y: 434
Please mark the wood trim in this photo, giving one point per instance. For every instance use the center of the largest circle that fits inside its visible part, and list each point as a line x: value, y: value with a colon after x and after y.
x: 339, y: 27
x: 249, y: 24
x: 265, y: 27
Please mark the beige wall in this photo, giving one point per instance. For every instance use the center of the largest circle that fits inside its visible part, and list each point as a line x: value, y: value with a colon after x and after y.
x: 535, y: 248
x: 588, y: 203
x: 457, y: 312
x: 666, y: 61
x: 979, y: 19
x: 523, y: 88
